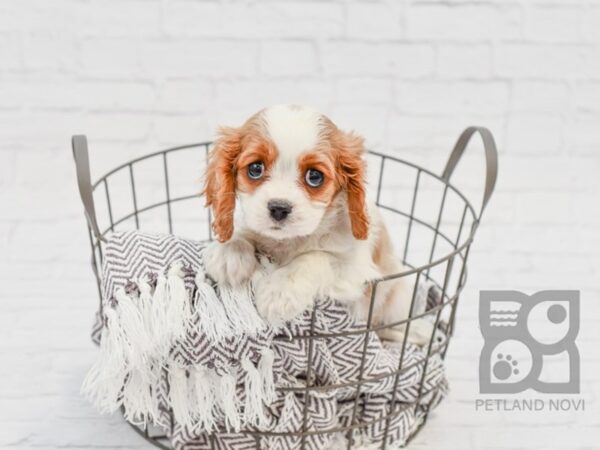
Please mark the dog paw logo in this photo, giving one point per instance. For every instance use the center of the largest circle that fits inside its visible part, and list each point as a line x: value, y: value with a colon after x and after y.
x: 529, y: 342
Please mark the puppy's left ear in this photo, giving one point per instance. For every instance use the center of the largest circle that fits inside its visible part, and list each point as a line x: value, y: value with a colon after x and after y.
x: 219, y: 181
x: 352, y: 170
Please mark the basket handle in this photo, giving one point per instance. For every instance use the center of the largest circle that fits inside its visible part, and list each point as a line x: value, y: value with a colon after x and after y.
x: 491, y: 160
x: 82, y: 167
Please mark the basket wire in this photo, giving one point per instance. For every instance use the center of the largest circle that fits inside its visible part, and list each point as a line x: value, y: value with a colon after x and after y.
x: 449, y: 263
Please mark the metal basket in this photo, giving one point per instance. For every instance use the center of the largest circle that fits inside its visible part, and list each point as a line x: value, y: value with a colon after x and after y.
x: 435, y: 244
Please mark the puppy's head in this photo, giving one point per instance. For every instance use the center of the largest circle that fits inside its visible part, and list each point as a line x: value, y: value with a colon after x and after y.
x: 286, y: 165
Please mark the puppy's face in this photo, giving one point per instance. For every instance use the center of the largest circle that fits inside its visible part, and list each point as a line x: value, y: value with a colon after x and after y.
x: 286, y: 177
x: 286, y: 164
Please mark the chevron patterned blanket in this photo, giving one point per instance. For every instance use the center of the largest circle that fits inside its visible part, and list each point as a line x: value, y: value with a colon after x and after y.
x: 195, y: 359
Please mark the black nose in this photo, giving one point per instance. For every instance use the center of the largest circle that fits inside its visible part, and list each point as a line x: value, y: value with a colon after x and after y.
x: 279, y: 209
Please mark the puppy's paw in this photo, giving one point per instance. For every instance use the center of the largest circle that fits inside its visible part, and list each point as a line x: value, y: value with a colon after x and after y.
x: 232, y: 262
x: 282, y: 295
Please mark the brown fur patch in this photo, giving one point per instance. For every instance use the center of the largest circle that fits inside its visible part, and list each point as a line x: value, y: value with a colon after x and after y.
x: 383, y: 252
x: 219, y: 185
x: 260, y: 150
x: 220, y: 182
x: 322, y: 162
x: 348, y: 149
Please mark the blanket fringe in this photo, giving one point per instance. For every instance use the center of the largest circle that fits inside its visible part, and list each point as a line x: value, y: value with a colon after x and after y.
x: 237, y: 302
x: 179, y: 396
x: 121, y: 349
x: 203, y: 399
x: 139, y: 402
x: 229, y: 402
x: 140, y: 331
x: 104, y: 381
x: 265, y: 368
x: 178, y: 310
x: 145, y: 305
x: 159, y: 324
x: 132, y: 327
x: 213, y: 320
x: 254, y: 413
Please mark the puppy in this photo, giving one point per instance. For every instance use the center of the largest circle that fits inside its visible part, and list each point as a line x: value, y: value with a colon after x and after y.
x: 300, y: 185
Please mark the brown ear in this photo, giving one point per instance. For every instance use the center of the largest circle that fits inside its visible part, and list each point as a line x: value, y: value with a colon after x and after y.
x: 219, y: 181
x: 352, y: 170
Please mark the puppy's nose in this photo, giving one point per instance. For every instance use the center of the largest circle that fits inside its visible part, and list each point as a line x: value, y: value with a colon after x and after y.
x: 279, y: 209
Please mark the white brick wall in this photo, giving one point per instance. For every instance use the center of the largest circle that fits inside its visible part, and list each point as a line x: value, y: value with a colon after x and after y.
x: 139, y: 75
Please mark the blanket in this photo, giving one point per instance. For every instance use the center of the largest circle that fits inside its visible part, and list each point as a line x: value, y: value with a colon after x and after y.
x: 196, y: 359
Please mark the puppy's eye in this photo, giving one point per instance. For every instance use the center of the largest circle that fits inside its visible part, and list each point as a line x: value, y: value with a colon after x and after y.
x: 314, y: 178
x: 256, y: 170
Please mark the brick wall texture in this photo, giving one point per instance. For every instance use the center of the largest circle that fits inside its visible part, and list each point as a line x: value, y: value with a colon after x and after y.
x: 137, y: 76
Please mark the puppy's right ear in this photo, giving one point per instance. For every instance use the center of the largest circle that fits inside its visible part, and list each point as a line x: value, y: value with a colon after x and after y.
x: 352, y: 170
x: 219, y: 181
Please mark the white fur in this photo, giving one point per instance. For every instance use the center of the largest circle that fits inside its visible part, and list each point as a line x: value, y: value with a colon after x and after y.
x: 330, y: 262
x: 313, y: 253
x: 231, y: 262
x: 294, y: 130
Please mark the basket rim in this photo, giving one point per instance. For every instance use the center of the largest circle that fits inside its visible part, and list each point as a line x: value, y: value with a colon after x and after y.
x: 207, y: 144
x: 410, y: 271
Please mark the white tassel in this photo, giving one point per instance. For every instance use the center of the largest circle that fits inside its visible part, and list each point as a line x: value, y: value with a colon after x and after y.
x: 124, y: 376
x: 179, y: 396
x: 265, y: 368
x: 230, y: 305
x: 178, y: 310
x: 240, y: 309
x: 132, y: 326
x: 204, y: 401
x: 212, y: 317
x: 140, y: 404
x: 159, y: 372
x: 254, y: 413
x: 248, y: 310
x: 159, y: 323
x: 104, y: 381
x: 229, y: 402
x: 145, y: 304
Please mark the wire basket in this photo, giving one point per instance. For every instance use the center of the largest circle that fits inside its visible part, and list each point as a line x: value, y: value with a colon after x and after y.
x: 431, y: 221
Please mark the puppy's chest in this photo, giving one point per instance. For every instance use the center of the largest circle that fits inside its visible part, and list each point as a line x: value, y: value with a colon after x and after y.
x: 283, y: 252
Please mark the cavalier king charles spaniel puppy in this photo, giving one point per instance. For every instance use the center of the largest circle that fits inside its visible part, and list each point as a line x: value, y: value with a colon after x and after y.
x: 300, y: 184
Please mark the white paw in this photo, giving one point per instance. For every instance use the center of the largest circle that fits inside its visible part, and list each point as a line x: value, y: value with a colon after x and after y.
x: 282, y: 295
x: 232, y: 263
x: 264, y: 268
